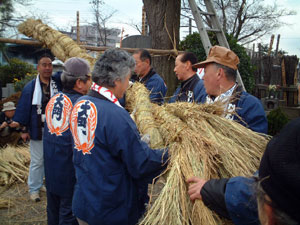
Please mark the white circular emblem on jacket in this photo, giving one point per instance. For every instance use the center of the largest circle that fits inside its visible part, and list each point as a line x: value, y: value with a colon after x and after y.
x: 58, y: 113
x: 83, y: 124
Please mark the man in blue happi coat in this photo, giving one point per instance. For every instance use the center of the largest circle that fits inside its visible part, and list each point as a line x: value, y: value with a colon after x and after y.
x: 191, y: 88
x: 110, y: 159
x: 147, y: 76
x: 30, y: 113
x: 58, y: 153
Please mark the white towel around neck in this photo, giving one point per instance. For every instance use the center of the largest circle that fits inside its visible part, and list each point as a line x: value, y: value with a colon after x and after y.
x: 37, y: 94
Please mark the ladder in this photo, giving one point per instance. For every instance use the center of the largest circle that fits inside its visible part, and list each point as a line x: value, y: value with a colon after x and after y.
x: 217, y: 28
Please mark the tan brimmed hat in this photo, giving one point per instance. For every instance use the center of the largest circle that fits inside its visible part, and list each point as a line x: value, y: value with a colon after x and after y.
x: 221, y: 55
x: 7, y: 106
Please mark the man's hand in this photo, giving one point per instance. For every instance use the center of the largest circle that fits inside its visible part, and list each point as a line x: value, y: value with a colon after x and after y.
x: 195, y: 187
x: 25, y: 136
x: 146, y: 138
x: 3, y: 125
x: 14, y: 124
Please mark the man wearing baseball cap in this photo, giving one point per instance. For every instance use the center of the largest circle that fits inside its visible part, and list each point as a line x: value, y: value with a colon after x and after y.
x: 220, y: 84
x: 58, y: 153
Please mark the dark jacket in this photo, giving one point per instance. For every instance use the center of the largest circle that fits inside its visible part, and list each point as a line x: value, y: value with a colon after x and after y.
x: 233, y: 199
x: 58, y: 152
x: 108, y: 163
x: 26, y: 113
x: 156, y: 85
x: 191, y: 90
x: 250, y: 109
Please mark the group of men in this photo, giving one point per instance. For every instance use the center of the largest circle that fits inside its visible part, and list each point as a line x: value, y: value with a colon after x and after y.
x: 218, y: 84
x: 63, y: 143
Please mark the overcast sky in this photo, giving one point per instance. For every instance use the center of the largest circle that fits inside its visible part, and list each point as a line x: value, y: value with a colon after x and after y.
x: 62, y: 14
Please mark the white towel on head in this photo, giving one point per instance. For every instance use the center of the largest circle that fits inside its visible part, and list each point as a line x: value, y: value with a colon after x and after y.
x: 37, y: 94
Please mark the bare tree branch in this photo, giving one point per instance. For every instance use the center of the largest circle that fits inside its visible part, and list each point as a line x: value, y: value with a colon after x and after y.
x: 101, y: 20
x: 247, y: 19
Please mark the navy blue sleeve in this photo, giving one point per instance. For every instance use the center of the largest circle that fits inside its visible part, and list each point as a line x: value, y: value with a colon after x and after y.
x: 23, y: 109
x: 241, y: 201
x: 174, y: 96
x: 200, y: 92
x: 157, y: 88
x: 213, y: 196
x: 125, y: 142
x: 252, y: 112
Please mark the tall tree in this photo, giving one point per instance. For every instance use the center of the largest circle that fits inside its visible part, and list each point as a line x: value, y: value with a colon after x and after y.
x: 6, y: 11
x: 163, y: 17
x: 10, y: 17
x: 247, y: 20
x: 102, y: 16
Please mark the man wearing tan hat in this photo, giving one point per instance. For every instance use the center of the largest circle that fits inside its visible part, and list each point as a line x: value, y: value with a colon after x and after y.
x: 8, y: 134
x: 220, y: 84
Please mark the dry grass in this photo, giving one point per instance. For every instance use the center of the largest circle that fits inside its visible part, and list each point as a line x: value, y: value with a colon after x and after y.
x: 15, y: 205
x: 14, y: 162
x: 201, y: 143
x: 21, y: 209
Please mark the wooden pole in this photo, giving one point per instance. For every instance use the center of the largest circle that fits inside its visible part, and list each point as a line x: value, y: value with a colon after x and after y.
x: 93, y: 48
x: 190, y: 26
x: 271, y: 44
x: 24, y: 42
x: 78, y: 29
x: 283, y: 77
x: 121, y: 37
x: 277, y: 44
x: 144, y: 26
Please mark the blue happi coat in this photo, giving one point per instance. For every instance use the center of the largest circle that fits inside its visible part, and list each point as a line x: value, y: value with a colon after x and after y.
x: 26, y: 113
x: 156, y: 85
x: 241, y: 201
x: 110, y: 159
x: 58, y: 152
x: 196, y: 92
x: 250, y: 109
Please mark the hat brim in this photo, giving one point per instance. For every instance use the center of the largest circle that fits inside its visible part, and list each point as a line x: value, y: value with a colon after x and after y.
x: 203, y: 63
x: 8, y: 109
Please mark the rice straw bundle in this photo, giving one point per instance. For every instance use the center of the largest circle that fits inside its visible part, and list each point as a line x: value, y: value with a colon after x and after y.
x: 239, y: 148
x: 62, y: 46
x: 14, y: 163
x: 189, y: 157
x: 201, y: 143
x: 6, y: 204
x: 141, y: 112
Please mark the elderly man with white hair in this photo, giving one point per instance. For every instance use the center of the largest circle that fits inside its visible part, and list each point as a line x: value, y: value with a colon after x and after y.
x: 110, y: 158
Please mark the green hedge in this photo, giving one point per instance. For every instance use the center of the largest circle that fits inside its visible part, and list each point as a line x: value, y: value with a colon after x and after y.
x: 19, y: 84
x: 276, y: 120
x: 15, y: 71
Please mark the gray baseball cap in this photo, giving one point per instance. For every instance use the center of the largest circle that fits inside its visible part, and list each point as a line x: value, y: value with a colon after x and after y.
x: 76, y: 67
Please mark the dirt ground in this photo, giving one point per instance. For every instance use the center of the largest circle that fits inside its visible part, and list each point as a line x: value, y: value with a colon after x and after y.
x: 23, y: 210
